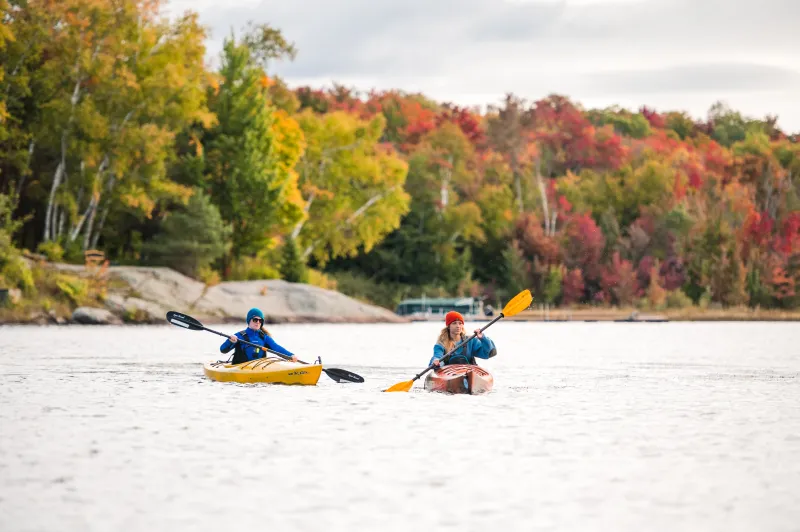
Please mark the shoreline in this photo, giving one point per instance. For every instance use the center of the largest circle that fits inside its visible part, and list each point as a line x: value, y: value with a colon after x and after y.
x: 74, y: 294
x: 632, y: 315
x: 113, y: 295
x: 540, y: 316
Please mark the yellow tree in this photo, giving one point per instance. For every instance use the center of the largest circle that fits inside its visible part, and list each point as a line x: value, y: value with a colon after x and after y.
x: 352, y: 186
x: 118, y: 82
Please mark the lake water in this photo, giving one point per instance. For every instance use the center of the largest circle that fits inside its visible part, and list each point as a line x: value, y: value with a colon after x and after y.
x: 591, y: 426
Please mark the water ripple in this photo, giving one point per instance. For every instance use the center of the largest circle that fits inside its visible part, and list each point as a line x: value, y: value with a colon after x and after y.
x: 623, y: 427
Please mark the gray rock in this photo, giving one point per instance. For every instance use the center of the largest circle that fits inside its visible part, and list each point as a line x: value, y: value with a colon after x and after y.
x: 55, y: 318
x: 146, y: 311
x: 155, y: 290
x: 94, y: 316
x: 282, y: 302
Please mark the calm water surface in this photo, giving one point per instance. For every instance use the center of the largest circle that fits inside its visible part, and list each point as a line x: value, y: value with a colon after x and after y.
x: 591, y: 426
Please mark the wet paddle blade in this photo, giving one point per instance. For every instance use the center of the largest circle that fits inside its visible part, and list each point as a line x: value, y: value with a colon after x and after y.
x: 342, y: 375
x: 400, y: 387
x: 182, y: 320
x: 520, y: 302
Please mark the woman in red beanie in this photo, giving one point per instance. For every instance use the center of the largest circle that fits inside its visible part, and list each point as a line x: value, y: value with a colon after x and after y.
x: 453, y: 333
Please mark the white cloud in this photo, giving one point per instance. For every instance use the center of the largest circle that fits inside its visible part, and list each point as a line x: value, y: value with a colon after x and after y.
x: 668, y: 54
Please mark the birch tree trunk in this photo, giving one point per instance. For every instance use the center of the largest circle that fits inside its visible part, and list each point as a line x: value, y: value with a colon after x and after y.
x: 61, y: 168
x: 88, y: 237
x: 543, y: 194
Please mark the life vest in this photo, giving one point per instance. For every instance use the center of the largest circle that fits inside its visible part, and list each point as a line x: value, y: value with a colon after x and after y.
x: 239, y: 354
x: 462, y: 355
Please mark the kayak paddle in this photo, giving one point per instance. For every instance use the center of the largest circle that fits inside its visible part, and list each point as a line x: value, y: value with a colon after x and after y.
x: 520, y: 302
x: 188, y: 322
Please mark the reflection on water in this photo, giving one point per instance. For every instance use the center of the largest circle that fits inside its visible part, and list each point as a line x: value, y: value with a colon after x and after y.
x: 591, y: 426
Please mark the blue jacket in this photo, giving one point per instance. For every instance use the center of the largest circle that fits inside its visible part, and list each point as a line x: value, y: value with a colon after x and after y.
x: 467, y: 353
x: 245, y: 352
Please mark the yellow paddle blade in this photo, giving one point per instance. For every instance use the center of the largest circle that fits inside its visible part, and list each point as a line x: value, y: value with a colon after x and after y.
x: 400, y: 387
x: 520, y: 302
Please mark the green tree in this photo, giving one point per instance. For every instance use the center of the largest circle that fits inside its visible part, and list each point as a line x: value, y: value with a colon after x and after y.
x: 496, y: 202
x: 681, y: 124
x: 6, y: 35
x: 435, y: 241
x: 353, y: 188
x: 292, y: 267
x: 14, y: 272
x: 513, y: 270
x: 190, y: 239
x: 633, y: 125
x: 266, y: 44
x: 250, y: 156
x: 552, y: 284
x: 111, y: 83
x: 22, y: 37
x: 728, y: 125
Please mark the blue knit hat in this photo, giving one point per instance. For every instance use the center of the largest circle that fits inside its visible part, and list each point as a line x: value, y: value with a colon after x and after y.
x: 255, y: 313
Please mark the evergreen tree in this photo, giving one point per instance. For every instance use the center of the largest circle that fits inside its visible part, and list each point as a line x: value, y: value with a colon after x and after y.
x: 251, y: 155
x: 292, y: 267
x: 190, y: 239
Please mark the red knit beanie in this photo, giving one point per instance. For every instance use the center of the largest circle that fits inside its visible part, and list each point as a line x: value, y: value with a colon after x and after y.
x: 452, y: 316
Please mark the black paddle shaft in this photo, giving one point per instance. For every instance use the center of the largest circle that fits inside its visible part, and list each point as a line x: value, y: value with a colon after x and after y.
x: 339, y: 375
x: 267, y: 349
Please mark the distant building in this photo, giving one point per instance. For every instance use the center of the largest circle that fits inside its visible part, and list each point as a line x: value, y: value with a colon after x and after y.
x: 439, y: 306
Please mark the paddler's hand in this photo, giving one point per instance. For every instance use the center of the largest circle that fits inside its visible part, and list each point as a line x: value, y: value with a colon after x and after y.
x: 233, y: 339
x: 294, y: 358
x: 437, y: 362
x: 479, y: 334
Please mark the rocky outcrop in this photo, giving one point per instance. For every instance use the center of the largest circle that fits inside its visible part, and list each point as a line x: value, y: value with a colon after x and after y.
x: 134, y: 309
x: 290, y: 302
x: 154, y: 291
x: 95, y: 316
x: 140, y: 294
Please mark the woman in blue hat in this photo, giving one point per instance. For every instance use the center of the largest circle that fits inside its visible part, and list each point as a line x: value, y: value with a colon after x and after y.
x: 255, y: 334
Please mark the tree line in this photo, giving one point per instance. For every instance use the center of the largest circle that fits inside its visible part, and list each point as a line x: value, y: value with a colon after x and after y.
x: 115, y: 135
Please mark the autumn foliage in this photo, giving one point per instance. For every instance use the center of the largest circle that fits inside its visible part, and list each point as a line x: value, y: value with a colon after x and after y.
x: 584, y: 206
x: 631, y: 206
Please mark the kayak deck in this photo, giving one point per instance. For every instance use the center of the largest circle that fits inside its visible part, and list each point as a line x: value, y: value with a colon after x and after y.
x: 265, y: 370
x: 460, y: 378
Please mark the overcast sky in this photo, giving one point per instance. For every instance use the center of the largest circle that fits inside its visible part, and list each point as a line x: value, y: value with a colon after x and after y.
x: 666, y: 54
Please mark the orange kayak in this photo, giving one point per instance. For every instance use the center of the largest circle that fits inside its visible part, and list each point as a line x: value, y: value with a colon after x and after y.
x: 460, y: 378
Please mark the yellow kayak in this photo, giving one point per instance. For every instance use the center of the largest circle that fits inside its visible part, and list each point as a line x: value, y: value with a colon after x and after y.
x: 269, y: 370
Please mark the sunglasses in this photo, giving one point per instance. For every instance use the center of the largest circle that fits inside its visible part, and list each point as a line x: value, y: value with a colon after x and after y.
x: 259, y: 320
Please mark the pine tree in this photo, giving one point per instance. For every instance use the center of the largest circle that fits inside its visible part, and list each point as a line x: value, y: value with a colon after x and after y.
x: 250, y: 157
x: 292, y: 267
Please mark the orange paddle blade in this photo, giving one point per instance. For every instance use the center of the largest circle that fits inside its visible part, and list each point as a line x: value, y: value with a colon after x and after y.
x: 520, y: 302
x: 400, y: 387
